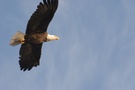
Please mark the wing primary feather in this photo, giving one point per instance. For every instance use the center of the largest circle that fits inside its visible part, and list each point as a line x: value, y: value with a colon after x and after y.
x: 45, y: 2
x: 40, y: 8
x: 48, y: 1
x: 29, y: 52
x: 29, y: 56
x: 41, y: 18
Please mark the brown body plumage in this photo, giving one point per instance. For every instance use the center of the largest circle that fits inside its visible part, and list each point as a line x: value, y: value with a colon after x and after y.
x: 36, y: 34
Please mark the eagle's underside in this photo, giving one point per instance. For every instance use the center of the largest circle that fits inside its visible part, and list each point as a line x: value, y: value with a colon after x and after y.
x: 36, y: 34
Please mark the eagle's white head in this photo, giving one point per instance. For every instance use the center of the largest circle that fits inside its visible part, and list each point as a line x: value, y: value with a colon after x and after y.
x: 52, y: 37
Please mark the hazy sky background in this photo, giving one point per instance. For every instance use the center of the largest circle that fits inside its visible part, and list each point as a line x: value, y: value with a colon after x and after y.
x: 96, y: 50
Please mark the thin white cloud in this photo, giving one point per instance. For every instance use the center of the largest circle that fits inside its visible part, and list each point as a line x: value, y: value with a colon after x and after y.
x: 96, y: 49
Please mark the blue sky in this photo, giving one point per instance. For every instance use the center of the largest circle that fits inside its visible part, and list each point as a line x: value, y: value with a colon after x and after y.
x: 96, y: 50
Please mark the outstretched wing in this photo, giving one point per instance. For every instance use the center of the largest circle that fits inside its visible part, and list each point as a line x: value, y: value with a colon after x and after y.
x: 41, y: 18
x: 38, y: 23
x: 29, y: 56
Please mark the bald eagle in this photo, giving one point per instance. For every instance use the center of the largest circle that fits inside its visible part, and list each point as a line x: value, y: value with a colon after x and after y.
x: 36, y: 33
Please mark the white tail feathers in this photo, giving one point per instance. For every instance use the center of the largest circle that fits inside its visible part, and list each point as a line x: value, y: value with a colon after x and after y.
x: 15, y: 40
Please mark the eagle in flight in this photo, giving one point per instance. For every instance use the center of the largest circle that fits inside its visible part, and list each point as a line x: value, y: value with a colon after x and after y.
x: 35, y: 35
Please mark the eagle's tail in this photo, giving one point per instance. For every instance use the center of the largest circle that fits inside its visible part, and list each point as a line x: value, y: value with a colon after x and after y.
x: 18, y: 38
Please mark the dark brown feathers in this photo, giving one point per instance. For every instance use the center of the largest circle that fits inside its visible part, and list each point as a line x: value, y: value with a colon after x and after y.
x: 41, y: 18
x: 29, y: 56
x: 30, y: 52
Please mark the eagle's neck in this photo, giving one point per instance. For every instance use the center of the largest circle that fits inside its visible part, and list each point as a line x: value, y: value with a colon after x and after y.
x: 52, y: 37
